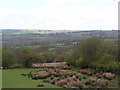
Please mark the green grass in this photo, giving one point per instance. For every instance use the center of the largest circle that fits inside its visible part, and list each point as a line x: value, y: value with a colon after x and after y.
x: 12, y: 78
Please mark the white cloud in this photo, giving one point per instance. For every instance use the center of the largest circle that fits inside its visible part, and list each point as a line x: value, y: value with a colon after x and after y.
x: 60, y: 17
x: 63, y: 1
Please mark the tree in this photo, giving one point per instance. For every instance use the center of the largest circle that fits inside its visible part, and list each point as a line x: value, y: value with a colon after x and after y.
x: 7, y: 57
x: 86, y: 49
x: 47, y: 56
x: 69, y: 57
x: 91, y: 51
x: 28, y: 57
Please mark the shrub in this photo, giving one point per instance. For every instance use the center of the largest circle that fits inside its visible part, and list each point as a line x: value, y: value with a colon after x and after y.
x: 79, y: 61
x: 106, y: 63
x: 17, y: 66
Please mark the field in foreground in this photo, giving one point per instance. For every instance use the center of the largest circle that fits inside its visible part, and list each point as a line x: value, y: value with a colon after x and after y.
x: 12, y: 78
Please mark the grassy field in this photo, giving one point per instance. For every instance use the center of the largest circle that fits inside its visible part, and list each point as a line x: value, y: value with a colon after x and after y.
x: 30, y: 46
x: 112, y: 39
x: 12, y: 78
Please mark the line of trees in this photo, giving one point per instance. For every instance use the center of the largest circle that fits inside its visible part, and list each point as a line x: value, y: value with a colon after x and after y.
x: 89, y: 53
x: 24, y: 57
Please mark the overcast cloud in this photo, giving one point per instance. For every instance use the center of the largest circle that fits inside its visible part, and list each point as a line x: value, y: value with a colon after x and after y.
x: 59, y: 14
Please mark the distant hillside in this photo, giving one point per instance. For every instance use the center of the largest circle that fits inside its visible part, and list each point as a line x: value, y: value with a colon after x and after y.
x: 12, y: 37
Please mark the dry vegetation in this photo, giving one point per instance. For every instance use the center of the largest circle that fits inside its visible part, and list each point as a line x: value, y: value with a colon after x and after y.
x: 83, y: 78
x: 51, y: 65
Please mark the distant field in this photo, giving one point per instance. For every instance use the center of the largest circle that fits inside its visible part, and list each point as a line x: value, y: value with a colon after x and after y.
x: 38, y: 46
x: 12, y: 78
x: 18, y: 38
x: 112, y: 39
x: 39, y: 31
x: 30, y: 46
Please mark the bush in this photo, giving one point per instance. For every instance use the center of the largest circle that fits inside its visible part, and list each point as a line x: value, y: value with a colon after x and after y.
x: 106, y: 63
x: 70, y: 58
x: 17, y: 66
x: 79, y: 62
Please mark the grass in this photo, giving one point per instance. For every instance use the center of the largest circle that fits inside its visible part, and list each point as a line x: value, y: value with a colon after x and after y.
x: 12, y: 78
x: 114, y: 83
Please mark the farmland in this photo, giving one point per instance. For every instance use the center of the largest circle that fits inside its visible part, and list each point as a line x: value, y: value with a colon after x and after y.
x: 90, y: 57
x: 26, y: 38
x: 12, y: 78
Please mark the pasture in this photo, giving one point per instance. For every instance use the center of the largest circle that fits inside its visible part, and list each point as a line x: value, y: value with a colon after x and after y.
x: 12, y: 78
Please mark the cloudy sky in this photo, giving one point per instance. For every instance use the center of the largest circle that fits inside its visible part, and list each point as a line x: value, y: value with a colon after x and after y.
x: 59, y: 14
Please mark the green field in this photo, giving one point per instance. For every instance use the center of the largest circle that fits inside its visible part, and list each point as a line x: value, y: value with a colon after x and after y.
x: 30, y: 46
x: 12, y: 78
x: 112, y: 39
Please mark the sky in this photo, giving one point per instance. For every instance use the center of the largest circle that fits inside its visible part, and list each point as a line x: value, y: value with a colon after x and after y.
x: 59, y: 14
